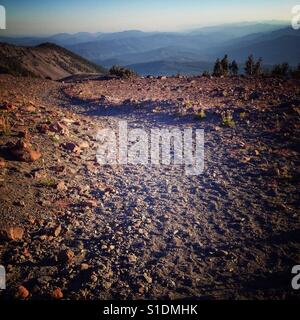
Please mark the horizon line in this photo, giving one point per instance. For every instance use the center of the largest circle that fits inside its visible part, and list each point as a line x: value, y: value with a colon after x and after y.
x: 183, y: 30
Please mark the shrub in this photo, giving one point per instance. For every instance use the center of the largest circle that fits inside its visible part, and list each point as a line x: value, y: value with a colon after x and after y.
x: 253, y: 68
x: 218, y: 70
x: 227, y: 120
x: 234, y: 68
x: 280, y: 70
x: 205, y: 74
x: 122, y: 72
x: 296, y: 72
x: 258, y: 67
x: 225, y: 65
x: 249, y: 65
x: 201, y: 114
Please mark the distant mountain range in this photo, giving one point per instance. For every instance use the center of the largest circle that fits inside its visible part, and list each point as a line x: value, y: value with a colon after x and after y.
x: 181, y: 52
x: 45, y: 61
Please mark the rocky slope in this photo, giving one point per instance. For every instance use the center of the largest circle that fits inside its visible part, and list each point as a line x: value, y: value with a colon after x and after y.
x: 72, y: 229
x: 45, y: 61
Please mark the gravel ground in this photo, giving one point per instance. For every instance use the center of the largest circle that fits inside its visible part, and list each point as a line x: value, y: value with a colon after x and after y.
x: 153, y: 232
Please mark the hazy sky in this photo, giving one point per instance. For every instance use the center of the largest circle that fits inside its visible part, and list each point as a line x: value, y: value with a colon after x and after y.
x: 53, y: 16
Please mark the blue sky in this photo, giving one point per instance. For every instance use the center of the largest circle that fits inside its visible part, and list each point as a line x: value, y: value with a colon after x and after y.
x: 52, y: 16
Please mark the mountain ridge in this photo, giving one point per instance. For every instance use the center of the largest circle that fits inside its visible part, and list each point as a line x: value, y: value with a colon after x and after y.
x: 46, y: 60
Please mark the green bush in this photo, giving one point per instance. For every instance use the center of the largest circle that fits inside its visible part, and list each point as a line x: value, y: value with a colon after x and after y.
x: 252, y: 67
x: 296, y: 72
x: 224, y: 67
x: 234, y: 68
x: 122, y: 72
x: 280, y: 70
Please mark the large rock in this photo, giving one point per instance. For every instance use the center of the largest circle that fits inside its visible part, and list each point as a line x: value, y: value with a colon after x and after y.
x: 22, y: 293
x: 71, y: 147
x: 65, y: 256
x: 57, y: 294
x: 11, y: 233
x: 2, y: 163
x: 21, y: 151
x: 57, y: 127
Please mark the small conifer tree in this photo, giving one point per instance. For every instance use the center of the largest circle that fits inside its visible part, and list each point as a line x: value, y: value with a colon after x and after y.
x: 234, y: 68
x: 249, y: 66
x: 225, y: 65
x: 218, y: 71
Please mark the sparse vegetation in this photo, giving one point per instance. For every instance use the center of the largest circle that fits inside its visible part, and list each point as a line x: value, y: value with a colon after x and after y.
x: 252, y: 67
x: 227, y: 120
x: 281, y: 70
x: 258, y: 67
x: 242, y: 115
x: 201, y: 114
x: 205, y: 74
x: 296, y: 72
x: 225, y: 65
x: 218, y: 71
x: 48, y: 182
x: 122, y: 72
x: 249, y: 66
x: 189, y: 104
x: 223, y: 68
x: 234, y: 68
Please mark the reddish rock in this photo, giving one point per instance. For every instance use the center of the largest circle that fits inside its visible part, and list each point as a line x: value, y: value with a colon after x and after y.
x: 21, y: 151
x: 26, y: 252
x: 43, y: 128
x: 57, y: 127
x: 61, y: 186
x: 34, y: 155
x: 6, y: 106
x: 84, y: 145
x: 66, y: 256
x: 57, y: 294
x: 22, y: 293
x: 2, y: 163
x: 84, y: 266
x: 57, y: 231
x: 11, y: 233
x: 30, y: 108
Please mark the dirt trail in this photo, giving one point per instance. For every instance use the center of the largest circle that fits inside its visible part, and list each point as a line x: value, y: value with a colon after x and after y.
x: 196, y: 236
x: 158, y: 233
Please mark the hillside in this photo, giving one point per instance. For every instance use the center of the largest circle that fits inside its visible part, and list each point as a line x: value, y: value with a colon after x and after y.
x: 45, y: 61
